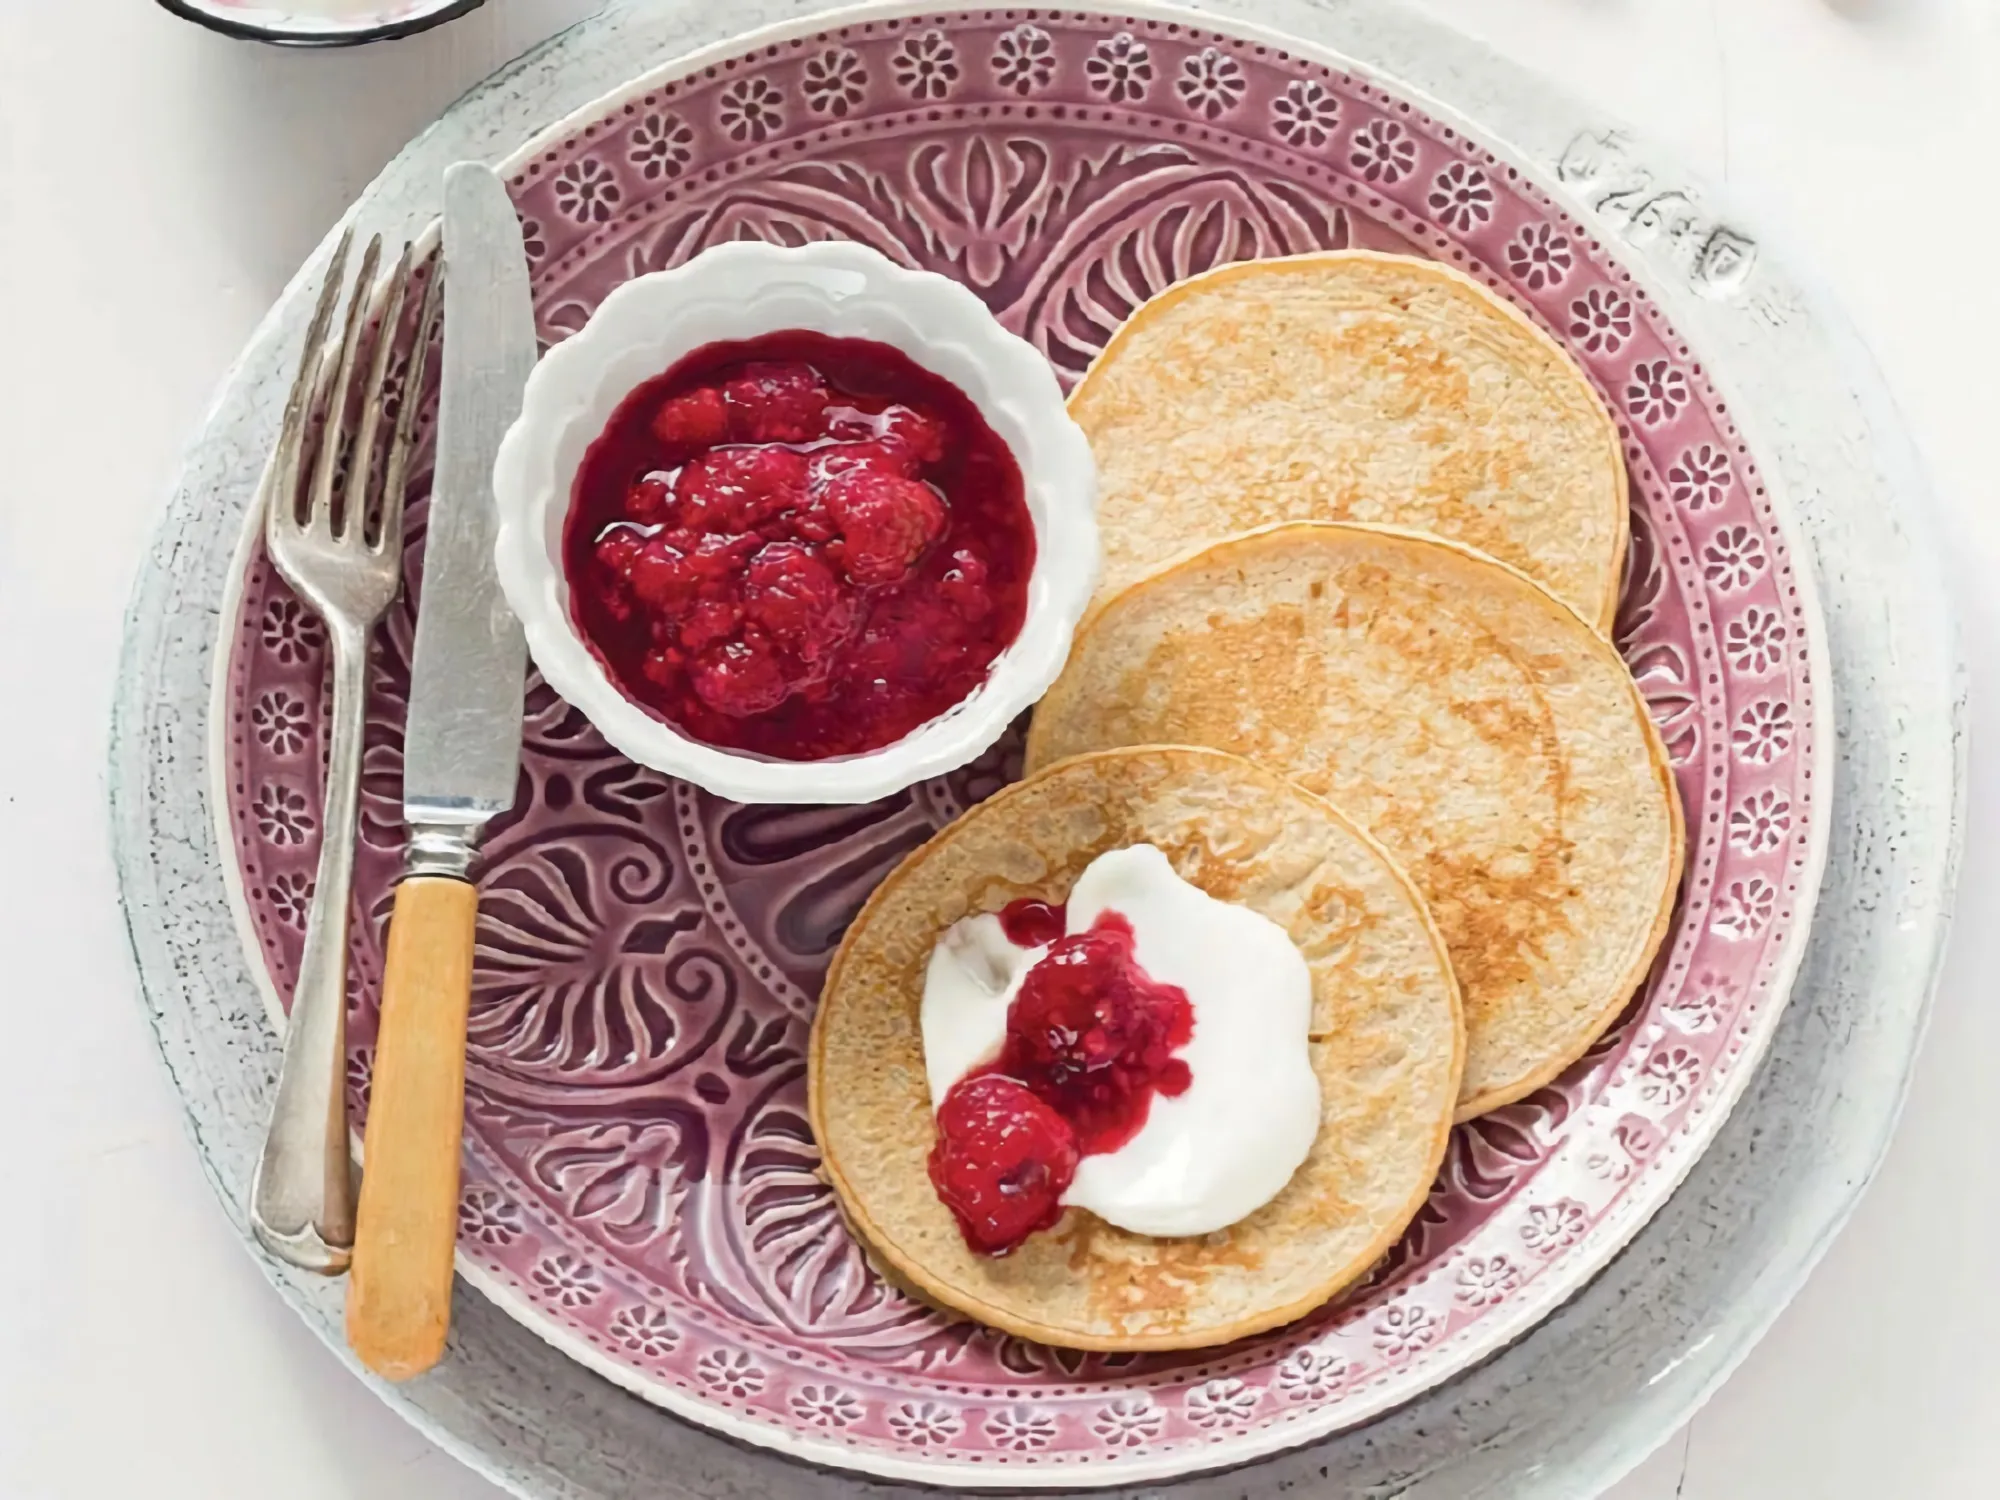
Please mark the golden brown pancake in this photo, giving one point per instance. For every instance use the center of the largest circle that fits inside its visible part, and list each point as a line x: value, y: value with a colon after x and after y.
x: 1388, y: 1046
x: 1350, y: 385
x: 1470, y: 720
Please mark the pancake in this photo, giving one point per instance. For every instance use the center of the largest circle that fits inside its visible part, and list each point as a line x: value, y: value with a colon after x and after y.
x: 1351, y: 385
x: 1388, y: 1046
x: 1470, y: 720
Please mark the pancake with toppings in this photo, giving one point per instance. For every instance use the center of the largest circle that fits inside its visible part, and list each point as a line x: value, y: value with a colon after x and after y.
x: 1350, y: 385
x: 1387, y: 1047
x: 1472, y: 722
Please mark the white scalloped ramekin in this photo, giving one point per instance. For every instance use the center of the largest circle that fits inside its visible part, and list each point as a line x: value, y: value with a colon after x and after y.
x: 738, y: 291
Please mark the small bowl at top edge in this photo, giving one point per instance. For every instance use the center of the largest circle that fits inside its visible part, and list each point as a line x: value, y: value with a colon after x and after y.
x: 739, y: 291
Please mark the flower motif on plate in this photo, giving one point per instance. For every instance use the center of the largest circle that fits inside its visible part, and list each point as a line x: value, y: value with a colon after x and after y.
x: 731, y: 1372
x: 661, y: 145
x: 1129, y: 1422
x: 1121, y: 69
x: 290, y: 631
x: 570, y: 1280
x: 1539, y: 256
x: 927, y: 1424
x: 834, y: 81
x: 1312, y: 1373
x: 488, y: 1217
x: 1755, y: 640
x: 1486, y: 1279
x: 283, y: 815
x: 1383, y: 152
x: 1404, y: 1329
x: 1760, y: 821
x: 751, y: 110
x: 1763, y: 732
x: 1461, y: 198
x: 1305, y: 114
x: 926, y: 66
x: 1699, y: 479
x: 1745, y: 908
x: 646, y: 1331
x: 1221, y: 1403
x: 1657, y: 392
x: 587, y: 191
x: 1734, y: 558
x: 1024, y: 59
x: 1553, y: 1226
x: 1601, y: 321
x: 280, y: 722
x: 827, y: 1406
x: 1669, y: 1077
x: 1211, y: 83
x: 1022, y: 1428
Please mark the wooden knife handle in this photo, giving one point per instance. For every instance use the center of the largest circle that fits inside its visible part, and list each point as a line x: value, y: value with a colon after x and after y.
x: 399, y: 1288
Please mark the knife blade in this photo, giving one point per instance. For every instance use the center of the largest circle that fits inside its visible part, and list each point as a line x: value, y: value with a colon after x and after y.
x: 462, y: 745
x: 461, y: 761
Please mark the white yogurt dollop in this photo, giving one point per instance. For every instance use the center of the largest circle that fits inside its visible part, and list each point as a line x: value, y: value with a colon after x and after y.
x: 1226, y: 1146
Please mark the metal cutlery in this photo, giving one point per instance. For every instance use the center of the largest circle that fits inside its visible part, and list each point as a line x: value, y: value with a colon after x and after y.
x: 461, y: 761
x: 337, y: 538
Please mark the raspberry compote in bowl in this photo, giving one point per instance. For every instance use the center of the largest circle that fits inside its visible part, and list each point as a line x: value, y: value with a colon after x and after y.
x: 796, y: 524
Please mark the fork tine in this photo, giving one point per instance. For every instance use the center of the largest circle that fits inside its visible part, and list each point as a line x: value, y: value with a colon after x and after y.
x: 319, y: 505
x: 393, y: 480
x: 282, y: 503
x: 357, y: 499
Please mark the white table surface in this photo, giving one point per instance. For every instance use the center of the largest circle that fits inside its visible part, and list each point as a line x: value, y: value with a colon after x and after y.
x: 160, y: 186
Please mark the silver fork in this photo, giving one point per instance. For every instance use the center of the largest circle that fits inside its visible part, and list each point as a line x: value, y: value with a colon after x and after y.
x: 340, y: 546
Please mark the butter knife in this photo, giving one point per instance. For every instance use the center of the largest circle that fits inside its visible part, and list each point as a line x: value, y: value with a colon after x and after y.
x: 461, y: 761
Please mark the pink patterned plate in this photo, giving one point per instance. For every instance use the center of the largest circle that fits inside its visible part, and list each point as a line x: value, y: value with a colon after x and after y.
x: 640, y: 1184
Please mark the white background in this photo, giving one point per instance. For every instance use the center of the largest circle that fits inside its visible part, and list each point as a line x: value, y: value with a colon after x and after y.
x: 161, y: 184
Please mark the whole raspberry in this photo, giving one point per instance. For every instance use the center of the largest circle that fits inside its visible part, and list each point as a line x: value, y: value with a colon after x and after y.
x: 661, y: 575
x: 739, y: 679
x: 1002, y: 1162
x: 693, y: 420
x: 794, y: 595
x: 885, y: 524
x: 776, y: 403
x: 736, y: 489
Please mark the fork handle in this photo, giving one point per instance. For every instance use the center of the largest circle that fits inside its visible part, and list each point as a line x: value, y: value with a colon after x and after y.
x: 399, y: 1292
x: 302, y: 1196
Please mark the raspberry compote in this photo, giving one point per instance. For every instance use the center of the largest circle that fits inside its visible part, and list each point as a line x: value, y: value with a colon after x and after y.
x: 798, y: 546
x: 1091, y: 1039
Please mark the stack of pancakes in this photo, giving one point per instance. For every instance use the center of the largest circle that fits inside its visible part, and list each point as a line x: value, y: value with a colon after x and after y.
x: 1364, y: 530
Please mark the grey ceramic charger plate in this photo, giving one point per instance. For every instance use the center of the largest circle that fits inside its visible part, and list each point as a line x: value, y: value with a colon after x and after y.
x: 1588, y: 1393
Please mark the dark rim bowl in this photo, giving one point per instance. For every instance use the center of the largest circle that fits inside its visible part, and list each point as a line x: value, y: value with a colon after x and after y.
x: 201, y: 15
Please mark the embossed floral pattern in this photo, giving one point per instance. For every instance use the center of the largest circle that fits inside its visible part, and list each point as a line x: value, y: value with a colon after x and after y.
x: 1760, y: 821
x: 1601, y: 321
x: 1211, y: 83
x: 926, y: 66
x: 1657, y: 392
x: 1745, y: 908
x: 827, y: 1406
x: 290, y: 894
x: 587, y: 191
x: 569, y: 1280
x: 291, y: 632
x: 646, y: 1331
x: 1734, y: 558
x: 1669, y: 1077
x: 1221, y: 1403
x: 833, y: 81
x: 925, y: 1424
x: 1699, y: 478
x: 282, y: 814
x: 1021, y: 1428
x: 1383, y: 152
x: 1485, y: 1279
x: 751, y: 110
x: 533, y: 240
x: 1763, y: 732
x: 1120, y: 69
x: 278, y: 719
x: 1405, y: 1329
x: 1755, y: 640
x: 1461, y: 198
x: 647, y: 957
x: 730, y: 1372
x: 1128, y: 1422
x: 661, y: 145
x: 1551, y: 1227
x: 1539, y: 256
x: 1312, y: 1374
x: 488, y: 1218
x: 1698, y: 1007
x: 1024, y: 59
x: 1305, y: 114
